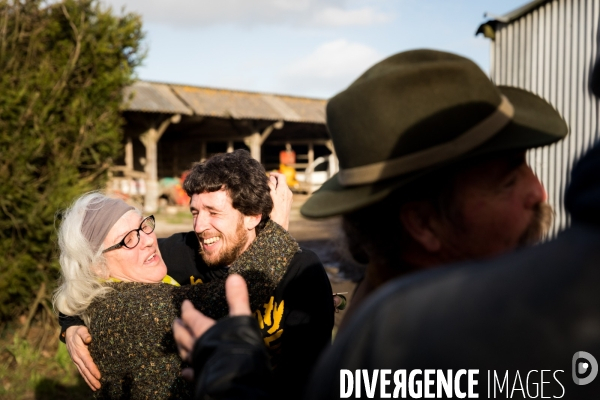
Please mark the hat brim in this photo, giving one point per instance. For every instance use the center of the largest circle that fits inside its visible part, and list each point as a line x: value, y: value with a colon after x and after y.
x: 535, y: 124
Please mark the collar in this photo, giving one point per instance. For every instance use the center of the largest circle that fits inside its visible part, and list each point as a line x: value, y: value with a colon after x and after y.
x: 167, y: 279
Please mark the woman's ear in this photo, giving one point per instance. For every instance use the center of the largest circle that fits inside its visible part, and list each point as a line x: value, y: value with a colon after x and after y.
x: 251, y: 221
x: 101, y: 271
x: 417, y: 218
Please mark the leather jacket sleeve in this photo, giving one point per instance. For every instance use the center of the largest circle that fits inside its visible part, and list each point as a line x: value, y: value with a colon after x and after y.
x: 65, y: 322
x: 230, y: 362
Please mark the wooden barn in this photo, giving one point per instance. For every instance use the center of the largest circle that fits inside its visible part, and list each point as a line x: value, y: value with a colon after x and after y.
x: 169, y: 127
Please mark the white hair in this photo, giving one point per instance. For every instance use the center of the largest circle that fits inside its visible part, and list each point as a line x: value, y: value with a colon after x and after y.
x: 81, y: 268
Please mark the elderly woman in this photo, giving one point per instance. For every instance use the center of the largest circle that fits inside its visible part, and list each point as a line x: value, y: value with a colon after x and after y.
x: 114, y: 278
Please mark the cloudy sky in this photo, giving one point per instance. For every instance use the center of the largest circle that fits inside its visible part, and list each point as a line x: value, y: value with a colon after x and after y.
x: 309, y: 48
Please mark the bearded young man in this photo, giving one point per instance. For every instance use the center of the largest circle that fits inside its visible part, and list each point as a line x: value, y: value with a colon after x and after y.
x: 230, y: 203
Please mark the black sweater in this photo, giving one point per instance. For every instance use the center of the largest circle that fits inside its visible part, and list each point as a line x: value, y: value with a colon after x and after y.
x: 308, y: 313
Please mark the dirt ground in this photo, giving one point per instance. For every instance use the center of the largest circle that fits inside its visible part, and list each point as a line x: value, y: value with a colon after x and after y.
x: 321, y: 236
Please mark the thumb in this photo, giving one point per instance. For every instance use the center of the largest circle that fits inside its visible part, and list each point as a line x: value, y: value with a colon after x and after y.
x: 236, y: 292
x: 188, y: 374
x: 86, y: 337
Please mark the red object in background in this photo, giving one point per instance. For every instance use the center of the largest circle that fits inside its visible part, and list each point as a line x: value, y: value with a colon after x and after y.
x: 287, y: 157
x: 181, y: 197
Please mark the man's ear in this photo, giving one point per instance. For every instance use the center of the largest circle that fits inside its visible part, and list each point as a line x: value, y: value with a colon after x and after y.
x: 251, y: 221
x: 417, y: 218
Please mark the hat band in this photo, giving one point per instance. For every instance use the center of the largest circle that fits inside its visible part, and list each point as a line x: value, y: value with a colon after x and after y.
x: 469, y: 140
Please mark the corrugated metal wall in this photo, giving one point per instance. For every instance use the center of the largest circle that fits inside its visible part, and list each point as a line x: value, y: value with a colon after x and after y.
x: 550, y: 51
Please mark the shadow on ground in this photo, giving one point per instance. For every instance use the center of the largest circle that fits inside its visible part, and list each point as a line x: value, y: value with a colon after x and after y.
x: 49, y: 389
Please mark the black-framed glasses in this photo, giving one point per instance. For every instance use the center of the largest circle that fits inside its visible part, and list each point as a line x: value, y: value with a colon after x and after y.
x: 133, y: 237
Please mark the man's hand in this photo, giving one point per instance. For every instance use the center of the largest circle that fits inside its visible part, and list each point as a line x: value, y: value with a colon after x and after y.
x: 77, y: 339
x: 193, y: 324
x: 282, y: 199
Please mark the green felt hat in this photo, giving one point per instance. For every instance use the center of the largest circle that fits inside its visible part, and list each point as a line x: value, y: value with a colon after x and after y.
x: 415, y: 113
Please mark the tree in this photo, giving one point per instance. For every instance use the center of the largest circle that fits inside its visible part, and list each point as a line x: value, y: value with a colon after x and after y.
x: 63, y: 67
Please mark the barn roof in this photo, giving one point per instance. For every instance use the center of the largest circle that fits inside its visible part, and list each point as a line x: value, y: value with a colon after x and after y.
x: 167, y: 98
x: 489, y: 27
x: 519, y: 12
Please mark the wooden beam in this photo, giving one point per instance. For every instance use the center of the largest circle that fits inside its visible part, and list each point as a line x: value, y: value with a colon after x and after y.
x: 269, y: 129
x: 127, y: 172
x: 329, y: 145
x: 203, y: 151
x: 129, y: 154
x: 320, y: 142
x: 150, y: 140
x: 255, y: 140
x: 226, y: 139
x: 311, y: 162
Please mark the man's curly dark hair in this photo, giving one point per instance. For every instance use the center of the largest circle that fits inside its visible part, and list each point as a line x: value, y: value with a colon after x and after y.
x: 243, y: 177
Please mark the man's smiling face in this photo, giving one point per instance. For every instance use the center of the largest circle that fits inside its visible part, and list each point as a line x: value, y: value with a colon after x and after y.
x: 223, y: 232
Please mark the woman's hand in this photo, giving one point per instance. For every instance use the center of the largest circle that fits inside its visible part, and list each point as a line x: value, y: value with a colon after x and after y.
x: 77, y: 339
x: 282, y: 199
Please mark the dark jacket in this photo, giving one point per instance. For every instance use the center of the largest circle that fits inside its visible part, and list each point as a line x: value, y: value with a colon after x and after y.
x: 528, y: 311
x: 232, y: 363
x: 515, y: 317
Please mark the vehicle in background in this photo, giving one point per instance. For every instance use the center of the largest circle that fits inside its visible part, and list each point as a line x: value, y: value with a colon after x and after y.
x: 314, y: 176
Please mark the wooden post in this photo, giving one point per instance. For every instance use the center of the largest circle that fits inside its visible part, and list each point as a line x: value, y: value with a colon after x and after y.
x: 255, y: 140
x: 311, y: 161
x: 203, y: 151
x: 255, y: 145
x: 150, y: 140
x: 129, y: 154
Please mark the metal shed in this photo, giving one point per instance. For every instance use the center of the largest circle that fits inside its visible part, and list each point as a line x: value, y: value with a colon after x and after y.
x: 171, y: 126
x: 549, y: 47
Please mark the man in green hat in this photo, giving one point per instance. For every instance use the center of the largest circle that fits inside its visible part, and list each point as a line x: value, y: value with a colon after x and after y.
x: 432, y: 171
x: 432, y: 166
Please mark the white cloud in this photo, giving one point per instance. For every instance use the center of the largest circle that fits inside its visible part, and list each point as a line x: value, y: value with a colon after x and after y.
x: 199, y: 13
x: 332, y: 16
x: 329, y: 69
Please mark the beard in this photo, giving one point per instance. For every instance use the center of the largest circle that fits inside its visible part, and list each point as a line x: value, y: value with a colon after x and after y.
x: 229, y: 254
x: 536, y: 230
x: 539, y: 226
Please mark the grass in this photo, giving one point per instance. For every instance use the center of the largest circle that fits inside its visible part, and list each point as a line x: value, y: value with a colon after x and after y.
x: 27, y: 372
